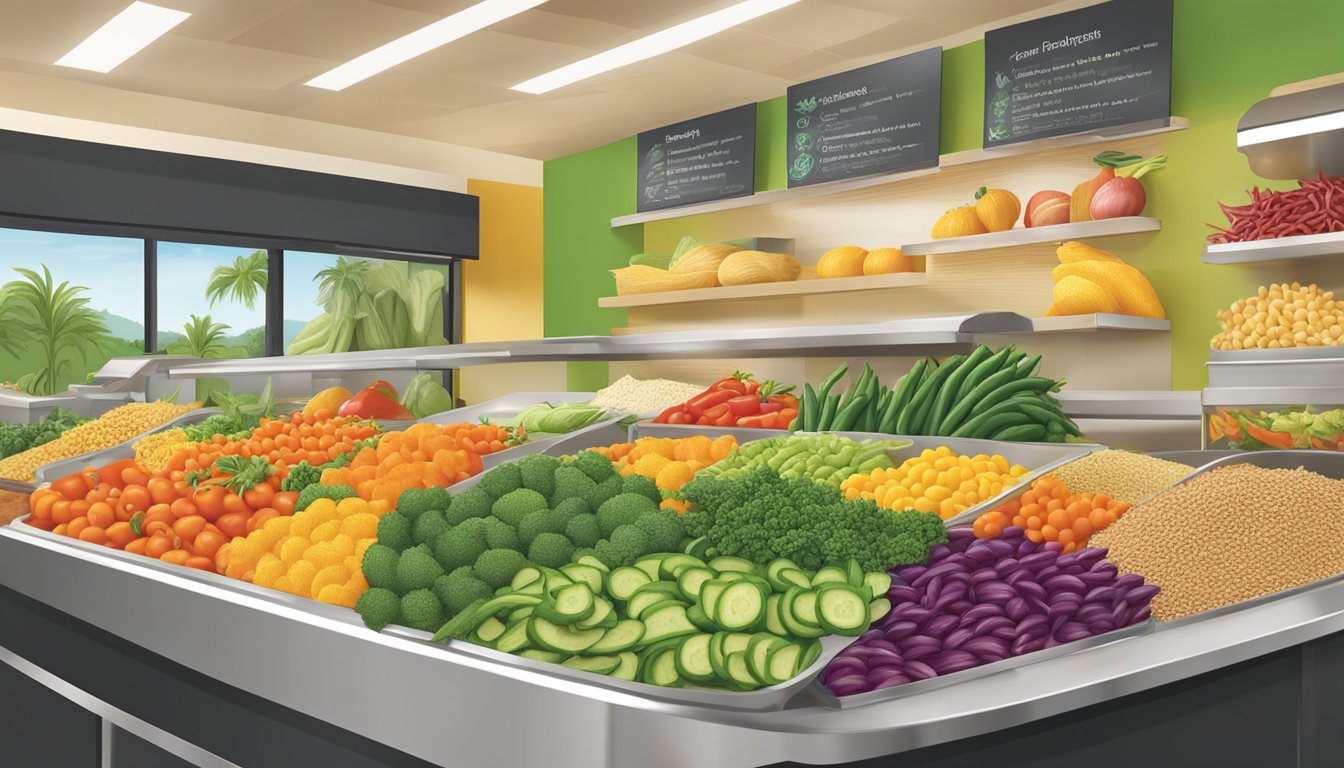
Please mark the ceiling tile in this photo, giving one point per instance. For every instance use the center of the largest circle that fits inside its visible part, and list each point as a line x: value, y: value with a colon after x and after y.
x: 334, y: 30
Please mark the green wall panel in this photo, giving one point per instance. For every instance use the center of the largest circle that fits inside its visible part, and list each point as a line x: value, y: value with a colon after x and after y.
x: 771, y: 153
x: 961, y: 125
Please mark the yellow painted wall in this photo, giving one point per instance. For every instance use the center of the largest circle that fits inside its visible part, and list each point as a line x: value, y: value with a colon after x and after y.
x: 502, y: 292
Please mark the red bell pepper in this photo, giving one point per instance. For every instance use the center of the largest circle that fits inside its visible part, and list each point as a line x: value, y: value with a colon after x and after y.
x: 374, y: 402
x: 666, y: 416
x: 744, y: 405
x: 703, y: 402
x: 724, y: 420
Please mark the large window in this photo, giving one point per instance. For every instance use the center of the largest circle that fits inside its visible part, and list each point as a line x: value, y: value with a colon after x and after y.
x: 212, y: 300
x: 68, y: 303
x: 343, y: 303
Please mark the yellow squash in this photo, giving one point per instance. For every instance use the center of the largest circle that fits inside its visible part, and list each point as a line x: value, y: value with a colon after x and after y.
x: 748, y: 267
x: 329, y: 399
x: 705, y: 257
x: 640, y: 279
x: 885, y: 261
x: 958, y: 222
x: 845, y: 261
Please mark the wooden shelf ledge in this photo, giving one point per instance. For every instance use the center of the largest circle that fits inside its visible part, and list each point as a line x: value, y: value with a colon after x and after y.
x: 808, y: 287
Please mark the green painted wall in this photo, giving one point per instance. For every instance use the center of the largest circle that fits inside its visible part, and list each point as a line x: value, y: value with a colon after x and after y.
x: 1227, y: 54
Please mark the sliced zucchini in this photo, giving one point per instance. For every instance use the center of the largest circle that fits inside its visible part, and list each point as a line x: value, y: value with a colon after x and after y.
x: 877, y: 609
x: 783, y: 661
x: 709, y: 594
x: 795, y: 577
x: 524, y: 577
x: 691, y: 579
x: 828, y: 575
x: 787, y: 616
x: 625, y: 635
x: 666, y: 622
x: 696, y: 615
x: 628, y: 666
x: 741, y: 606
x: 514, y: 638
x: 554, y: 579
x: 738, y: 564
x: 804, y: 608
x: 623, y: 582
x: 810, y: 655
x: 587, y: 574
x: 662, y: 669
x: 536, y: 654
x: 842, y: 610
x: 698, y: 547
x: 731, y: 576
x: 718, y: 660
x: 739, y: 672
x: 854, y: 574
x: 601, y: 665
x: 592, y: 561
x: 773, y: 623
x: 648, y: 597
x: 772, y: 573
x: 602, y: 617
x: 554, y: 637
x: 535, y: 589
x: 878, y: 582
x: 651, y: 565
x: 575, y: 602
x: 671, y: 566
x: 692, y: 659
x: 521, y: 613
x: 490, y: 630
x: 758, y: 655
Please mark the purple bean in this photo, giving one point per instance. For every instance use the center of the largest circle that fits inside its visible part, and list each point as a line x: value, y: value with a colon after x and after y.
x: 1100, y: 595
x: 982, y: 611
x: 1141, y: 615
x: 1100, y: 627
x: 933, y: 573
x: 938, y: 553
x: 909, y: 612
x: 1013, y: 532
x: 948, y: 662
x: 1067, y: 583
x: 1087, y: 556
x: 1000, y: 548
x: 939, y: 626
x: 1023, y: 645
x: 1032, y: 589
x: 891, y: 681
x: 1053, y: 546
x: 959, y: 588
x: 1032, y: 626
x: 1073, y: 598
x: 911, y: 644
x: 982, y: 646
x: 883, y: 644
x: 945, y: 602
x: 1019, y: 576
x: 1142, y: 595
x: 1070, y: 631
x: 849, y: 685
x: 1122, y: 615
x: 1036, y: 604
x: 898, y: 595
x: 960, y: 607
x: 899, y: 630
x: 1073, y: 570
x: 994, y: 592
x: 1016, y: 609
x: 961, y: 533
x: 870, y: 635
x: 1048, y: 572
x: 1066, y: 560
x: 989, y: 625
x: 862, y: 652
x: 960, y: 577
x: 1006, y: 566
x: 1056, y: 622
x: 1026, y: 548
x: 981, y: 555
x: 984, y: 574
x: 908, y: 573
x: 1051, y: 642
x: 957, y: 638
x: 932, y: 586
x: 841, y: 664
x: 1037, y: 561
x: 1064, y: 610
x: 1129, y: 581
x: 1092, y: 612
x: 1103, y: 566
x: 918, y: 670
x: 1095, y: 579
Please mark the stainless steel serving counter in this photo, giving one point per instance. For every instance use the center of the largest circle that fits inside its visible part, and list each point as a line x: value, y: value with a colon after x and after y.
x: 453, y: 708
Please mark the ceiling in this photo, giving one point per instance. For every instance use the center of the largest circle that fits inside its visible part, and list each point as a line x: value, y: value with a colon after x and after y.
x: 256, y: 55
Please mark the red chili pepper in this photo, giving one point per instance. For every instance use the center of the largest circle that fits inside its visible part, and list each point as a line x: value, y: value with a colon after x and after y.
x: 703, y: 402
x: 666, y: 416
x: 725, y: 420
x: 680, y: 417
x: 754, y: 422
x: 787, y: 415
x: 772, y: 407
x: 745, y: 405
x: 716, y: 411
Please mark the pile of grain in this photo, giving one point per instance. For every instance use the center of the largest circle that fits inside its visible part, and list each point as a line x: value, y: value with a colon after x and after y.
x: 1129, y: 477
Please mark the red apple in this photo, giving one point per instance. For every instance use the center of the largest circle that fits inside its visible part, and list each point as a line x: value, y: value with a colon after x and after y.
x: 1044, y: 196
x: 1046, y: 201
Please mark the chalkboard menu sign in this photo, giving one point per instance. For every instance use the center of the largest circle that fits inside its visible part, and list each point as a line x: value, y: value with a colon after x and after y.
x: 882, y: 118
x: 708, y: 158
x: 1100, y: 66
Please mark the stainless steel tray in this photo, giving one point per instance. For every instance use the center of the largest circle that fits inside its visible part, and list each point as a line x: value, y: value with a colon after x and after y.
x: 126, y: 450
x: 826, y: 698
x: 677, y: 431
x: 605, y: 432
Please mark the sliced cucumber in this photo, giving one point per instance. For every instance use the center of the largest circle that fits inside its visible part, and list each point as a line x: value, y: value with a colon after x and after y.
x: 692, y: 659
x: 709, y: 594
x: 587, y: 574
x: 795, y: 577
x: 739, y: 672
x: 521, y: 613
x: 575, y: 602
x: 787, y: 616
x: 490, y: 630
x: 698, y: 547
x: 601, y: 665
x: 554, y: 637
x: 696, y: 615
x: 842, y: 610
x: 810, y: 655
x: 650, y: 595
x: 877, y: 609
x: 650, y: 565
x: 691, y: 579
x: 772, y: 573
x: 804, y: 608
x: 536, y: 654
x: 555, y: 579
x: 629, y: 665
x: 741, y: 606
x: 726, y: 563
x: 731, y: 576
x: 783, y: 661
x: 625, y: 635
x: 592, y: 561
x: 658, y: 664
x: 758, y: 655
x: 854, y: 574
x: 602, y: 617
x: 735, y: 641
x: 717, y: 658
x: 671, y: 566
x: 773, y: 623
x: 878, y: 582
x: 514, y: 638
x: 524, y: 577
x: 536, y: 589
x: 828, y: 575
x: 625, y: 580
x: 666, y: 622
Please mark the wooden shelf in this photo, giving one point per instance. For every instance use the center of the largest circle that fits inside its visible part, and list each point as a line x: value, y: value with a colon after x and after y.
x: 951, y: 160
x: 807, y: 287
x: 1276, y: 249
x: 1082, y: 230
x: 1101, y: 321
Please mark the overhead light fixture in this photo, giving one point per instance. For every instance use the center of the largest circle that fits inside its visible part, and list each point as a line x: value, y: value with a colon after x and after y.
x: 656, y: 44
x: 122, y: 37
x: 421, y: 41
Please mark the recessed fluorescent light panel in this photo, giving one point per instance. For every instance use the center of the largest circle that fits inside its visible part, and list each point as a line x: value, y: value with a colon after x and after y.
x: 122, y: 37
x: 421, y: 41
x: 658, y: 43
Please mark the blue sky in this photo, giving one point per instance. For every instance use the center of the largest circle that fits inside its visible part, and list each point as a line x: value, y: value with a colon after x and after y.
x: 112, y: 268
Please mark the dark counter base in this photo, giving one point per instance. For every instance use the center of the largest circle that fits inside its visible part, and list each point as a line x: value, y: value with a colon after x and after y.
x: 1277, y: 711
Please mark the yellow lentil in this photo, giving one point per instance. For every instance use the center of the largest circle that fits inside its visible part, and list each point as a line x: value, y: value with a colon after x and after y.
x: 1229, y: 535
x: 112, y: 428
x: 154, y: 451
x: 1129, y: 477
x: 937, y: 480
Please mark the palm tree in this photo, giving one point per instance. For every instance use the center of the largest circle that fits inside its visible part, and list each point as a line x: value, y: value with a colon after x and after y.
x: 346, y: 278
x: 57, y: 320
x: 241, y: 282
x: 202, y: 338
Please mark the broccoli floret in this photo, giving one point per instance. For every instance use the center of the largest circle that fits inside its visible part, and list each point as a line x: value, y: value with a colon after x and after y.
x: 314, y: 492
x: 581, y: 551
x: 603, y: 491
x: 569, y: 508
x: 643, y: 486
x: 571, y: 483
x: 428, y: 527
x: 622, y: 509
x: 501, y: 480
x: 536, y: 523
x: 514, y: 506
x: 663, y: 527
x: 633, y: 539
x: 459, y: 546
x: 583, y: 530
x: 497, y: 567
x: 380, y: 566
x: 394, y: 530
x: 551, y: 550
x: 458, y: 591
x: 301, y: 476
x: 420, y: 609
x: 538, y: 473
x: 417, y: 569
x: 614, y: 555
x: 413, y: 501
x: 467, y: 505
x: 498, y: 535
x: 596, y: 466
x: 379, y: 607
x: 463, y: 570
x: 760, y: 516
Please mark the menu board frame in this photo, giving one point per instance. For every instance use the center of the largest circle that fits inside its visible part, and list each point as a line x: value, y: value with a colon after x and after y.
x: 716, y: 160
